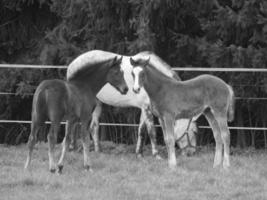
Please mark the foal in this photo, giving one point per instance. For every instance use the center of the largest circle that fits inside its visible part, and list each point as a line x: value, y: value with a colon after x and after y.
x: 171, y: 100
x: 75, y: 100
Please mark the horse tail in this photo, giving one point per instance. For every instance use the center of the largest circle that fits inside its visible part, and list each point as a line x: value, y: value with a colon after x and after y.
x: 38, y: 103
x: 231, y: 105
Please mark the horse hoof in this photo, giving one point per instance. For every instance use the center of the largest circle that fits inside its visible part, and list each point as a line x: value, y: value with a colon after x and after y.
x: 88, y: 168
x: 52, y: 170
x: 59, y: 169
x: 226, y: 167
x: 158, y: 157
x: 71, y: 147
x: 26, y: 168
x: 173, y: 167
x: 216, y: 166
x: 139, y: 155
x: 97, y: 149
x: 187, y: 153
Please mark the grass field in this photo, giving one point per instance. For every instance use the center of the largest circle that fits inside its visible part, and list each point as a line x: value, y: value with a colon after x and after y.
x: 118, y: 174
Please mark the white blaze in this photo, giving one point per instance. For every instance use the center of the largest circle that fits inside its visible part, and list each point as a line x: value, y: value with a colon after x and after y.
x: 136, y: 72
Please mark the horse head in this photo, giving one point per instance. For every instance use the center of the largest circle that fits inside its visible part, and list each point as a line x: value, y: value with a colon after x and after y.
x: 138, y: 72
x: 158, y: 63
x: 116, y: 75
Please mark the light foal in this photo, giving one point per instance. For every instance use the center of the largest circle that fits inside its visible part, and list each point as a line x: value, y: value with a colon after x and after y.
x: 172, y: 100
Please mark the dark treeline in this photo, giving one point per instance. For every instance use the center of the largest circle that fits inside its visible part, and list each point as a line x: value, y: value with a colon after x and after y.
x: 198, y: 33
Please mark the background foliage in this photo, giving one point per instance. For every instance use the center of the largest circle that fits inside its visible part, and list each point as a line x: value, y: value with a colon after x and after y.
x: 208, y: 33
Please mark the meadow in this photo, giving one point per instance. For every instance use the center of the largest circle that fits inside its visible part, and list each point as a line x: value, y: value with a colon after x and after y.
x: 118, y: 174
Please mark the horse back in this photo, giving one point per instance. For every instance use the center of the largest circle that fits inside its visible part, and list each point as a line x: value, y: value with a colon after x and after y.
x: 49, y: 101
x: 207, y: 83
x: 215, y: 92
x: 86, y: 61
x: 195, y: 95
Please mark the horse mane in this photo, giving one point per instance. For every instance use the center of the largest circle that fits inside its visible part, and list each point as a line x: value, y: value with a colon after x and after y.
x: 87, y: 62
x: 158, y: 64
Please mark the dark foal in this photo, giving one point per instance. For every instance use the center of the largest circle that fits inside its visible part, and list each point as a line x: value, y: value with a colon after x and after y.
x: 75, y: 100
x: 205, y: 94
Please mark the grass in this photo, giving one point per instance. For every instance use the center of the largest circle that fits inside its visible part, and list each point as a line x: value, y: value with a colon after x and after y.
x: 118, y: 174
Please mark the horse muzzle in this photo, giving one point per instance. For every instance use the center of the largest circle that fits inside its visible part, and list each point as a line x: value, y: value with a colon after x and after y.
x: 136, y: 90
x: 124, y: 90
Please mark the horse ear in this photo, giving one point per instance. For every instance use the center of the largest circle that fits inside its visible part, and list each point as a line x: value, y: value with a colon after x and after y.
x: 120, y: 59
x: 147, y: 61
x: 115, y: 60
x: 132, y: 61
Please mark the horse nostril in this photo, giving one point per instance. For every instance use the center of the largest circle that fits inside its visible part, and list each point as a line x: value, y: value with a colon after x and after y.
x: 125, y: 90
x: 137, y: 90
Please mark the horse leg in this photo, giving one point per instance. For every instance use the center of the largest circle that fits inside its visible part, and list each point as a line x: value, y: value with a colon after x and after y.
x: 217, y: 136
x: 225, y: 134
x: 170, y: 141
x: 73, y: 137
x: 151, y: 132
x: 94, y: 126
x: 65, y: 144
x: 52, y: 136
x: 86, y: 145
x: 35, y: 128
x: 140, y: 136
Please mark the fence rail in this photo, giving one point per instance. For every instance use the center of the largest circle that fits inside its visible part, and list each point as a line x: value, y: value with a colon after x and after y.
x: 22, y: 66
x: 198, y: 69
x: 135, y: 125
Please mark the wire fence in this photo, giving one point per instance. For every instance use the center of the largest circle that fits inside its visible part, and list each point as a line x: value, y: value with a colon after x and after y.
x: 195, y: 69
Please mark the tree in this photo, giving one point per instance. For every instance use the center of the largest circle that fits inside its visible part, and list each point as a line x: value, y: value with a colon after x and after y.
x: 217, y: 33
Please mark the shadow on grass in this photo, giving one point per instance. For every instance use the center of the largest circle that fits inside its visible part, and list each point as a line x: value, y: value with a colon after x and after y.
x: 26, y: 182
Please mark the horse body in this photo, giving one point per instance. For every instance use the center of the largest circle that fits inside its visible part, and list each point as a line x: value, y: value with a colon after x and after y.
x: 201, y: 92
x: 205, y: 94
x: 75, y: 100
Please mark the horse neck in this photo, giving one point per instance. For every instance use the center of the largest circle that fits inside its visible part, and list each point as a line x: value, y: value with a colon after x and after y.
x: 93, y: 81
x: 155, y: 81
x: 163, y: 67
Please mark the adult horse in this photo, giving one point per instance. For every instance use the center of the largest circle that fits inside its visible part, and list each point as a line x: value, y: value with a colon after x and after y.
x: 109, y: 95
x: 75, y: 100
x: 205, y: 94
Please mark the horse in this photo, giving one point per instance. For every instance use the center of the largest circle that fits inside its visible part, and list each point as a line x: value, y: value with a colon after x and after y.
x: 75, y: 100
x: 109, y: 95
x: 171, y: 100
